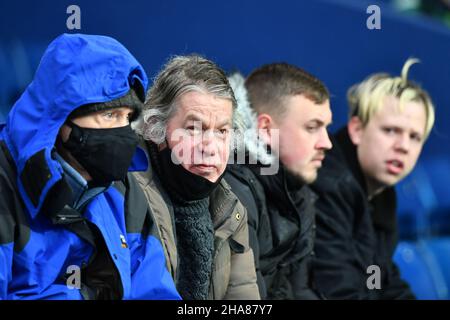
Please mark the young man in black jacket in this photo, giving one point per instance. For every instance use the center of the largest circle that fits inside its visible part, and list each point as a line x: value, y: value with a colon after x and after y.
x: 290, y: 109
x: 391, y: 117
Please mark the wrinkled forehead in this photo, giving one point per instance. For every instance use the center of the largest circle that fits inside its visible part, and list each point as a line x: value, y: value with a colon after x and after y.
x: 202, y: 106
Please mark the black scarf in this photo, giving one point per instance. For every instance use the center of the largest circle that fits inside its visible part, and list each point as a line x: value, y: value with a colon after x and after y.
x: 195, y: 237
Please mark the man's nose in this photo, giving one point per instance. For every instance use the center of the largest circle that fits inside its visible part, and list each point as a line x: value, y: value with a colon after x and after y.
x: 209, y: 143
x: 324, y: 142
x: 122, y: 122
x: 402, y: 143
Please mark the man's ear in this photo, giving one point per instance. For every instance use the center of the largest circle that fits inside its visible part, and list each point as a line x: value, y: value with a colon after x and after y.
x: 265, y: 126
x: 355, y: 130
x: 64, y: 132
x: 162, y: 146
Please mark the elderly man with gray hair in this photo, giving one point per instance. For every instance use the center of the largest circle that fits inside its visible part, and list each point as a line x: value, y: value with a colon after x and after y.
x: 186, y: 129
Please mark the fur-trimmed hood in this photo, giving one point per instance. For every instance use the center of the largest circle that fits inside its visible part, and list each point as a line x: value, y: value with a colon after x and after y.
x: 245, y: 124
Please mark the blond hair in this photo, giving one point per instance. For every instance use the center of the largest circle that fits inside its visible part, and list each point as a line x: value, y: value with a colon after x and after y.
x: 366, y: 98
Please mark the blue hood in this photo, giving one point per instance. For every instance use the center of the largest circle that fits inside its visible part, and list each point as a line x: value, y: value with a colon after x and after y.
x: 75, y: 70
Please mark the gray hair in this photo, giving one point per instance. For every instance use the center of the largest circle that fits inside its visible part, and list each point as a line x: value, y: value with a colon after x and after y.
x: 180, y: 75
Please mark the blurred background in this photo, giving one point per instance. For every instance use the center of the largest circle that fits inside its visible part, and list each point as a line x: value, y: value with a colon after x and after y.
x: 329, y: 38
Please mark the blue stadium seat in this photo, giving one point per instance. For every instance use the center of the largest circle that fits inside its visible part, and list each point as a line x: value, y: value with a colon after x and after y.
x: 424, y: 200
x: 420, y: 268
x: 416, y: 200
x: 18, y: 62
x: 7, y: 78
x: 438, y: 172
x: 440, y: 248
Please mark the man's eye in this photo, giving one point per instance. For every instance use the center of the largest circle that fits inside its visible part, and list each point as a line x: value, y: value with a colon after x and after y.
x: 108, y: 115
x: 416, y: 137
x: 193, y: 130
x: 222, y: 132
x: 389, y: 130
x: 311, y: 128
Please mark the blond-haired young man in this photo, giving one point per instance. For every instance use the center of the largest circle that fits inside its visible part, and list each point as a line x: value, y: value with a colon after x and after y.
x: 390, y: 120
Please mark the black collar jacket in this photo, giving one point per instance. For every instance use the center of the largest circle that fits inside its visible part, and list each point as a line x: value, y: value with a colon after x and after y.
x: 281, y: 227
x: 355, y: 237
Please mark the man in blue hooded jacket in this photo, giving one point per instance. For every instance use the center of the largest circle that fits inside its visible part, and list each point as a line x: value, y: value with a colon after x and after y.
x: 73, y: 223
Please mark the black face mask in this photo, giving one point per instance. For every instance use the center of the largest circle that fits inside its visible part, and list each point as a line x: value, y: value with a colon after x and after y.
x: 183, y: 183
x: 106, y: 154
